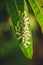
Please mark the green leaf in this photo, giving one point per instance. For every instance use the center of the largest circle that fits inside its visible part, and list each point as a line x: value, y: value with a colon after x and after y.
x: 38, y: 12
x: 18, y: 11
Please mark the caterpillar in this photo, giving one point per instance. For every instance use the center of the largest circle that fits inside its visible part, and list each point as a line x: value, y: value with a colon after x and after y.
x: 38, y: 12
x: 21, y: 24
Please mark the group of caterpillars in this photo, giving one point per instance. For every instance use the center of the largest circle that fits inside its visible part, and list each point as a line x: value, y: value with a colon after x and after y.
x: 22, y: 26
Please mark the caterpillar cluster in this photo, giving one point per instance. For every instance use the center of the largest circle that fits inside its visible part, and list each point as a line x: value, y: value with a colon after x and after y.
x: 22, y: 29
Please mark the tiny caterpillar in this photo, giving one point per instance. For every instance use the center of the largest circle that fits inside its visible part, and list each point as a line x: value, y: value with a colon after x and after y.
x: 23, y: 29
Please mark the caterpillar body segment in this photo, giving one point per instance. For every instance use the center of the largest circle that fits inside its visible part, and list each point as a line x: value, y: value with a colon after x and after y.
x: 37, y: 11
